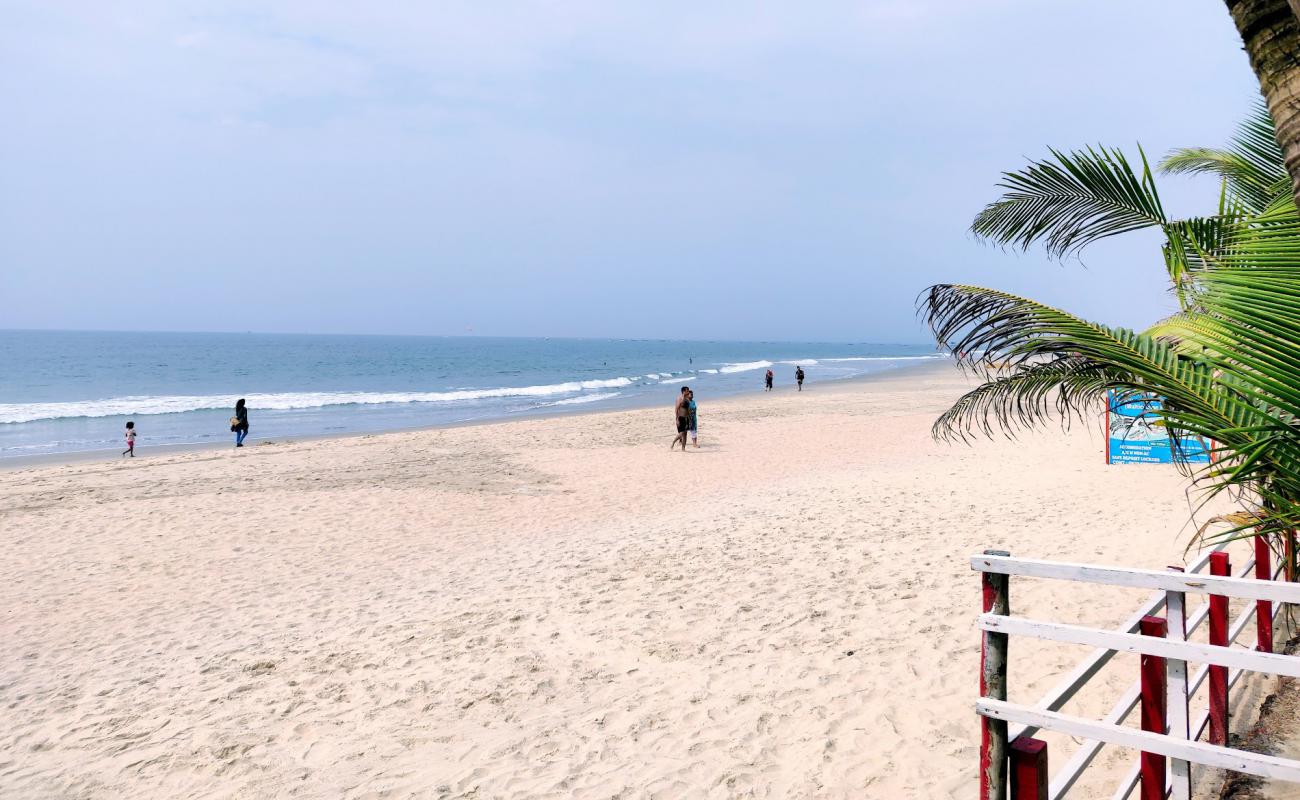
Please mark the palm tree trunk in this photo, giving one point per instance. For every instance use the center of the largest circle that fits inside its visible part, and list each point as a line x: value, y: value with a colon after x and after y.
x: 1270, y: 29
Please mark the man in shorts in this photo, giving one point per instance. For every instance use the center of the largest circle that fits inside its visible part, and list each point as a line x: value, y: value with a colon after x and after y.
x: 683, y: 413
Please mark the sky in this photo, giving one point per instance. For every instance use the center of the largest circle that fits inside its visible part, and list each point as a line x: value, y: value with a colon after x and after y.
x: 659, y: 169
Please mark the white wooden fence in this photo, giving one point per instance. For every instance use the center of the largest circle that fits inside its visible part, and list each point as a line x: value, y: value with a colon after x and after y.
x: 1011, y: 759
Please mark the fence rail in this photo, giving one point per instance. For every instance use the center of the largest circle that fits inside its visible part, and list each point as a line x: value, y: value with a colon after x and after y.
x: 1144, y: 645
x: 1158, y: 743
x: 1244, y: 588
x: 1169, y: 743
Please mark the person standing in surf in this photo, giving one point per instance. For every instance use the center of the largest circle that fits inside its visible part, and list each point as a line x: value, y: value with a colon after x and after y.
x: 798, y: 377
x: 683, y: 414
x: 767, y: 381
x: 239, y: 423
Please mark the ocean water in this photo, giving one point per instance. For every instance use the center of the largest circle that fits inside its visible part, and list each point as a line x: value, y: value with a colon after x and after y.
x: 66, y: 391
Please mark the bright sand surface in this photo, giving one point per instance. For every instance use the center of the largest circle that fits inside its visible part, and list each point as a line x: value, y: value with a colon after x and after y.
x: 554, y: 607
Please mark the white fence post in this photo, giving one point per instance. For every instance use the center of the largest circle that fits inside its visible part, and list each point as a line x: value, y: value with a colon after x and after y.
x: 1180, y: 772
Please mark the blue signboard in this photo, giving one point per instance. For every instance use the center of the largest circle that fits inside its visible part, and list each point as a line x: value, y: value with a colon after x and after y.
x: 1135, y: 433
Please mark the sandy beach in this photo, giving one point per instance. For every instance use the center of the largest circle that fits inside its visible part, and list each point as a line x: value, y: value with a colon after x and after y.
x: 554, y: 607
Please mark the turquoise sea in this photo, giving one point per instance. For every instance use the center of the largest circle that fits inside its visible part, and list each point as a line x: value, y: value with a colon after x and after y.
x: 68, y: 391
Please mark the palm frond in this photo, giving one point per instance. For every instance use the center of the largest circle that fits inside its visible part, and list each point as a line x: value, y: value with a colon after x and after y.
x: 1070, y: 201
x: 1226, y: 368
x: 1208, y: 395
x: 1251, y: 164
x: 1177, y: 330
x: 1059, y: 390
x: 1192, y: 246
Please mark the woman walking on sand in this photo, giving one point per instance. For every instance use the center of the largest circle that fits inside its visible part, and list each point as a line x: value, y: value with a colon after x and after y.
x: 239, y: 423
x: 798, y: 377
x: 767, y: 381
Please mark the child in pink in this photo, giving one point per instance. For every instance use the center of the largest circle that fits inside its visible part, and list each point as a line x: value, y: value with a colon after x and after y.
x: 130, y: 440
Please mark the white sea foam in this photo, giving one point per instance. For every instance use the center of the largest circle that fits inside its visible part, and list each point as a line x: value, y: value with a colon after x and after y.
x: 177, y: 404
x: 675, y: 380
x: 583, y: 398
x: 707, y: 371
x: 747, y: 366
x: 887, y: 358
x: 808, y: 361
x: 609, y: 383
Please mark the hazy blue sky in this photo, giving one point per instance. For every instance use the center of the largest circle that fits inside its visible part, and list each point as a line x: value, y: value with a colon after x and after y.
x: 744, y: 170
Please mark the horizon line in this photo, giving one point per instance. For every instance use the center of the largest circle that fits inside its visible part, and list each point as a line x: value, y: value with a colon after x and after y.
x: 465, y: 336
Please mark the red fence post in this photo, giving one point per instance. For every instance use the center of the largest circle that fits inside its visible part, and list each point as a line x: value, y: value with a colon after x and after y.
x: 1219, y: 636
x: 1028, y: 769
x: 993, y: 684
x: 1263, y: 608
x: 1152, y: 772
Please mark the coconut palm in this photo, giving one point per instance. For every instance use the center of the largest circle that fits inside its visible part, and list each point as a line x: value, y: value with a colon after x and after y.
x: 1270, y: 31
x: 1227, y: 365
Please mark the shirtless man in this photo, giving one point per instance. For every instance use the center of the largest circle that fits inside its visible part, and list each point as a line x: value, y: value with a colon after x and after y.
x: 683, y: 413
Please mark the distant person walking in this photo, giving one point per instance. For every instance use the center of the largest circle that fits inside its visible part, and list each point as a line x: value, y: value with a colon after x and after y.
x: 239, y: 423
x: 693, y: 419
x: 130, y: 440
x: 767, y: 381
x: 798, y: 377
x: 682, y: 413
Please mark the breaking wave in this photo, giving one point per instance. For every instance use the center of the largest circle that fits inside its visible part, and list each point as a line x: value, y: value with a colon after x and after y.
x: 178, y: 404
x: 583, y: 398
x: 887, y: 358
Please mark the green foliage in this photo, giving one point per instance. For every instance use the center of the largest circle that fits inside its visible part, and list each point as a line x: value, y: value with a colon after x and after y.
x: 1251, y: 165
x: 1071, y: 201
x: 1227, y: 366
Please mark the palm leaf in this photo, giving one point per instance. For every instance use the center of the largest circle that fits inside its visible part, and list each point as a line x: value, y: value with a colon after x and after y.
x: 1070, y: 201
x: 1193, y: 245
x: 1054, y: 390
x: 1251, y: 165
x: 1226, y: 368
x: 1209, y: 395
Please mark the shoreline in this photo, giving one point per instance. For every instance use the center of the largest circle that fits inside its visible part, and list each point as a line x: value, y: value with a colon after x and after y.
x: 24, y: 462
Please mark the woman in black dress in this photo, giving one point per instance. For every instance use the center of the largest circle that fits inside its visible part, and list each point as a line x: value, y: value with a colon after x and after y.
x: 239, y: 425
